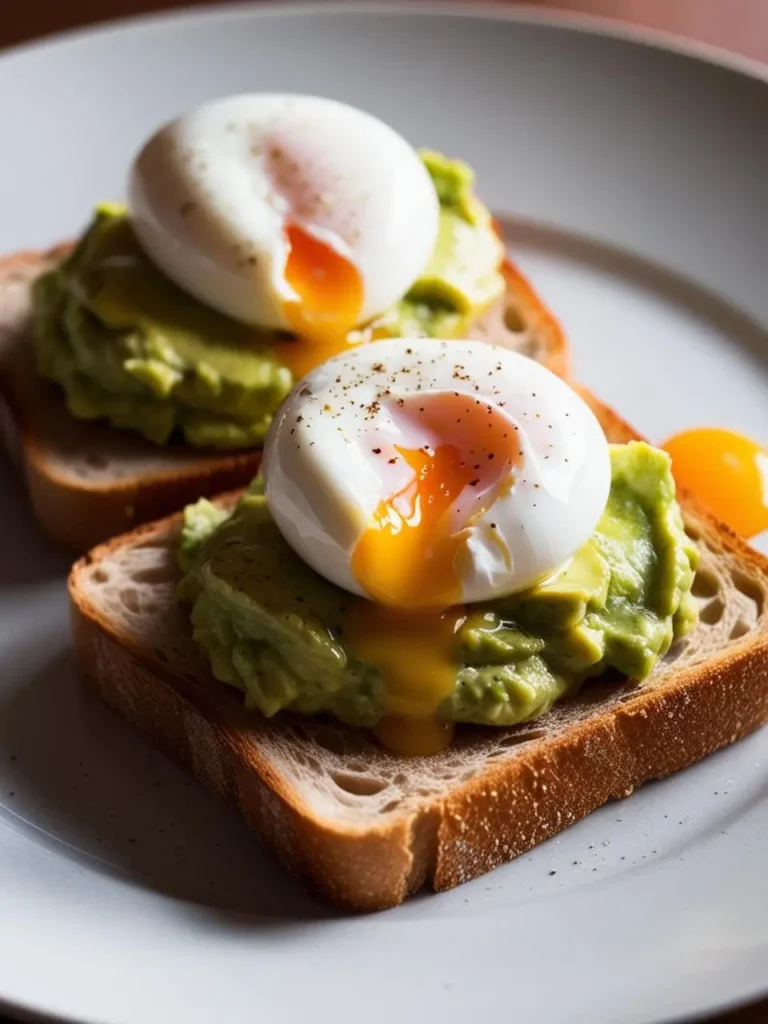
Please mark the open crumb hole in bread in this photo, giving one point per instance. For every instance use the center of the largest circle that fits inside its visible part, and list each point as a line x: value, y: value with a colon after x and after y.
x: 359, y: 785
x: 749, y: 589
x: 705, y: 584
x: 130, y: 599
x: 152, y: 574
x: 740, y: 628
x: 389, y: 807
x: 513, y: 320
x: 96, y: 460
x: 713, y: 612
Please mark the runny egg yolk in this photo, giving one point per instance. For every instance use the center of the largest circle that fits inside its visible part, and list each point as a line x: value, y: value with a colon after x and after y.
x: 416, y: 656
x: 728, y: 472
x: 330, y: 290
x: 407, y: 560
x: 404, y: 557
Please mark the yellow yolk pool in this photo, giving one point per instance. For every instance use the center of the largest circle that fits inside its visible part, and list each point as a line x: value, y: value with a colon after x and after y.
x: 728, y: 472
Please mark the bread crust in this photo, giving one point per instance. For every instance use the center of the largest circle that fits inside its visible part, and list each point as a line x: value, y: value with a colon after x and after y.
x: 509, y: 807
x: 78, y: 514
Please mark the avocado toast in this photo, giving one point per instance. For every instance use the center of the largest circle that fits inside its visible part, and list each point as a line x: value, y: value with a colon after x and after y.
x: 365, y: 827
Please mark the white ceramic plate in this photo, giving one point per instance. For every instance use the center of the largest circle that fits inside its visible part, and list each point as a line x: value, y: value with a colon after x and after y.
x: 634, y: 180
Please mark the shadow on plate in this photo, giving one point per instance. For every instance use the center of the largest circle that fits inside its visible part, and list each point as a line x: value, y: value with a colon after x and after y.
x: 74, y: 777
x: 26, y: 556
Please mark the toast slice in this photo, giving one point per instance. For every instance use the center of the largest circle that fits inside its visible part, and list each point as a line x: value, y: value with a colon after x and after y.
x: 88, y: 481
x: 363, y: 827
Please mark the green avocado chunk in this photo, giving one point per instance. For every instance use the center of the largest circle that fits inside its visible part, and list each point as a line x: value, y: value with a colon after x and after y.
x: 128, y: 345
x: 274, y: 628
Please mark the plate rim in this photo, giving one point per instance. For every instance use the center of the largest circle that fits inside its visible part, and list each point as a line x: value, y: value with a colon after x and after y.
x: 523, y: 14
x: 487, y: 10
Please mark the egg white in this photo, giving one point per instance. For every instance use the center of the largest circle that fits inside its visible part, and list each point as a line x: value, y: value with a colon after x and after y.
x: 327, y: 459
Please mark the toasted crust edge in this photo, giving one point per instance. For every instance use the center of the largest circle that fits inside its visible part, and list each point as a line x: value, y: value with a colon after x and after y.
x: 506, y: 811
x: 365, y: 870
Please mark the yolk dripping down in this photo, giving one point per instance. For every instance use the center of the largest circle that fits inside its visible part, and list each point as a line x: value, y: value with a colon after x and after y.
x: 415, y: 654
x: 412, y: 648
x: 728, y: 472
x: 330, y: 291
x: 407, y: 561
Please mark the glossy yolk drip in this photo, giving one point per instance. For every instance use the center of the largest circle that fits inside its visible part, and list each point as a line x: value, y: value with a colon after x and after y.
x: 416, y: 656
x: 330, y: 291
x: 414, y: 650
x: 407, y: 561
x: 728, y: 472
x: 406, y: 558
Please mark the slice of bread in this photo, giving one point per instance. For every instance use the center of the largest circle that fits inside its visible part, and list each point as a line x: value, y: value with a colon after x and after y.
x: 88, y: 481
x: 364, y: 827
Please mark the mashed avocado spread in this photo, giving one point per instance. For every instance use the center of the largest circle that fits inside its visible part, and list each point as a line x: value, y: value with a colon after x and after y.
x: 127, y: 345
x: 275, y: 629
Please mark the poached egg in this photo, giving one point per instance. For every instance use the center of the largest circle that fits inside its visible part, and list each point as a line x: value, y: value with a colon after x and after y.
x: 426, y: 473
x: 286, y: 212
x: 422, y: 476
